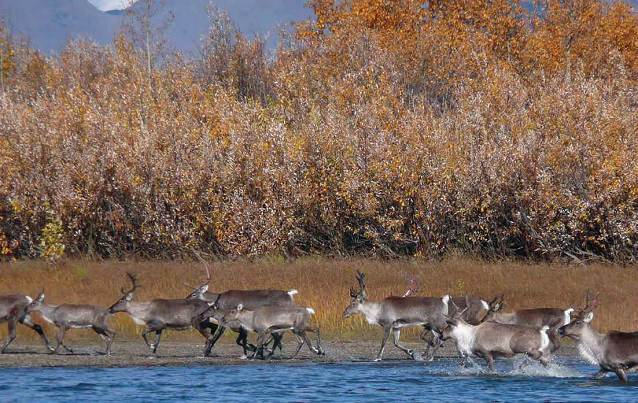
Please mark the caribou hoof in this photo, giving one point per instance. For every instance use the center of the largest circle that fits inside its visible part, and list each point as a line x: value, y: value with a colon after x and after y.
x: 243, y: 357
x: 416, y: 356
x: 377, y: 359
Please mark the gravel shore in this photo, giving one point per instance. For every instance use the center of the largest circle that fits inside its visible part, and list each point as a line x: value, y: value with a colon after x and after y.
x: 135, y: 353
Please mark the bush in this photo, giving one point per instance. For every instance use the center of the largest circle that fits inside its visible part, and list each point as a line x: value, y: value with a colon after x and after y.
x: 389, y: 128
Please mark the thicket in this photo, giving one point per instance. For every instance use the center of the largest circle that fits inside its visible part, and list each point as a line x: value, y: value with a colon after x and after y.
x: 402, y: 127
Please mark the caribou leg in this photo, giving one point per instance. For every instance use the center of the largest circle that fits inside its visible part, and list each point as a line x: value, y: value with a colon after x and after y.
x: 307, y: 340
x: 300, y: 343
x: 144, y: 333
x: 260, y: 344
x: 489, y: 359
x: 319, y: 351
x: 220, y: 331
x: 397, y: 334
x: 600, y: 374
x: 12, y: 334
x: 386, y: 336
x: 107, y: 334
x: 435, y: 343
x: 59, y: 338
x: 158, y: 335
x: 206, y: 334
x: 27, y: 322
x: 621, y: 374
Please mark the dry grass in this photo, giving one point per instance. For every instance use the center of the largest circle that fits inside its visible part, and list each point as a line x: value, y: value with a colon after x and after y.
x: 323, y: 284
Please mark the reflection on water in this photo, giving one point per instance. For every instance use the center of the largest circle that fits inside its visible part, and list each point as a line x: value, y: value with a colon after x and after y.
x: 405, y: 381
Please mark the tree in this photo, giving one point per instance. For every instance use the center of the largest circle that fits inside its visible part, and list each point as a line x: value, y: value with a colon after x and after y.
x: 146, y: 32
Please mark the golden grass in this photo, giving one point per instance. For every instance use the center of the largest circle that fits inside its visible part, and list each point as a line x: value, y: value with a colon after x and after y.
x: 323, y: 284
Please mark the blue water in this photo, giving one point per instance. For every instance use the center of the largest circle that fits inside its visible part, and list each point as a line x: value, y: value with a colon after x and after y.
x: 401, y: 381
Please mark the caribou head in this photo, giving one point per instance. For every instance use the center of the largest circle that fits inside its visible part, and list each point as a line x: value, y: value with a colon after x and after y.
x: 580, y: 322
x: 127, y: 296
x: 200, y: 290
x: 358, y: 297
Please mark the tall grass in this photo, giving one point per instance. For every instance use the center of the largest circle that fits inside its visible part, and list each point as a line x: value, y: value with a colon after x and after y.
x: 323, y: 284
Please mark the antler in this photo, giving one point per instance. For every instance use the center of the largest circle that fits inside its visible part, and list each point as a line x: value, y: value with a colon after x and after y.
x: 206, y: 267
x: 458, y: 312
x: 133, y: 279
x: 411, y: 282
x: 361, y: 278
x: 591, y: 303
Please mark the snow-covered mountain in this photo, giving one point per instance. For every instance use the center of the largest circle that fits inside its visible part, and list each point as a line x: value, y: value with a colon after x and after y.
x: 49, y: 23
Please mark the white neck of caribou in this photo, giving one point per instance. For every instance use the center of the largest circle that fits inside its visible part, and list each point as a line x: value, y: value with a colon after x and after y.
x: 371, y: 311
x: 591, y: 345
x: 463, y: 334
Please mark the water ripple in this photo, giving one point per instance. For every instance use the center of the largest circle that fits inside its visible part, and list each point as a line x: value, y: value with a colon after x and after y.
x: 439, y: 381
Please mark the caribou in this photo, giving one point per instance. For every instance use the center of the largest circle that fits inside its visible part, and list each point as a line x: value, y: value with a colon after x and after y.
x: 13, y: 310
x: 476, y: 312
x: 613, y: 351
x: 553, y: 318
x: 216, y: 315
x: 164, y: 314
x: 272, y: 320
x: 395, y: 313
x: 74, y: 316
x: 220, y: 303
x: 490, y: 339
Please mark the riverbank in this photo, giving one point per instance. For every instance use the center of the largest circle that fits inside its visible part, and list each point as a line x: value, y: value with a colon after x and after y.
x: 131, y: 354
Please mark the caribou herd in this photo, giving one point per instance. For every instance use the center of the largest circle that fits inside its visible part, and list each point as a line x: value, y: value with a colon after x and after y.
x: 478, y: 328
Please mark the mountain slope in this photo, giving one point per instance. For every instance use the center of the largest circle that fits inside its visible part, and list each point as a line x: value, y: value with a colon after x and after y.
x: 252, y: 17
x: 49, y: 23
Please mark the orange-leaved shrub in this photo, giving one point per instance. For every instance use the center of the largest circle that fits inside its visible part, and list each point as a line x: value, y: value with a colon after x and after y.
x: 495, y: 128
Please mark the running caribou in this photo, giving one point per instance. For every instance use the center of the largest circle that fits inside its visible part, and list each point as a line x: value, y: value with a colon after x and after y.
x: 476, y: 312
x: 275, y: 320
x: 73, y: 316
x: 394, y: 313
x: 553, y: 318
x: 219, y: 304
x: 613, y: 351
x: 13, y: 310
x: 490, y: 339
x: 164, y: 314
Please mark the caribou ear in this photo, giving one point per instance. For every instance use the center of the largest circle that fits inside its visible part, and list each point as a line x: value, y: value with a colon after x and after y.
x: 240, y: 307
x: 588, y: 317
x: 129, y: 296
x: 40, y: 297
x: 203, y: 288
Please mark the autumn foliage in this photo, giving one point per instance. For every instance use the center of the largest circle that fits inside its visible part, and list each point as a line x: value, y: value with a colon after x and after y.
x: 404, y: 127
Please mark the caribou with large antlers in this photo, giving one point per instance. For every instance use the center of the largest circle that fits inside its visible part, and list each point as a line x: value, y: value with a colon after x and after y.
x: 613, y: 351
x: 489, y: 339
x: 553, y: 318
x: 73, y: 316
x: 13, y: 310
x: 162, y: 314
x: 395, y: 313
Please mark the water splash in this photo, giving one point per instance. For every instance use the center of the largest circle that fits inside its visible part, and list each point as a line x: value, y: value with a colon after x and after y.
x: 525, y: 366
